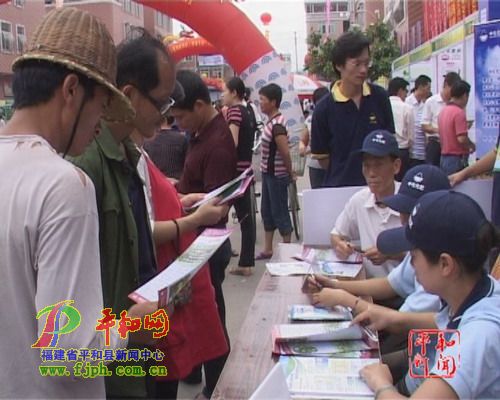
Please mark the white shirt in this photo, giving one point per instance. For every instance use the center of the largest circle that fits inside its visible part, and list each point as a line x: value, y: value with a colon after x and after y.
x: 433, y: 106
x: 362, y: 220
x: 49, y: 247
x: 404, y: 122
x: 417, y: 150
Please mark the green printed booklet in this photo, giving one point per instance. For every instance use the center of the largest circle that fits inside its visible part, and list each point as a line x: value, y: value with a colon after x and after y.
x: 325, y: 378
x: 230, y: 191
x: 306, y: 312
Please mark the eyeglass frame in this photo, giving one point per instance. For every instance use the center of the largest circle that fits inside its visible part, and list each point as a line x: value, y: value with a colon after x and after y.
x: 162, y: 109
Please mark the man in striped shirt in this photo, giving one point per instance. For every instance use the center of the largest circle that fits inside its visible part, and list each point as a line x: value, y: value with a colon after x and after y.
x: 417, y: 101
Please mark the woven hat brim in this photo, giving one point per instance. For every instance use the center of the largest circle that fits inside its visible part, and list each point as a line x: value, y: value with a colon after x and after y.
x: 119, y: 108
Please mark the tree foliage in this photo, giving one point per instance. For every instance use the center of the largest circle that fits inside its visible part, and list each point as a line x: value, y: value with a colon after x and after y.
x: 384, y: 49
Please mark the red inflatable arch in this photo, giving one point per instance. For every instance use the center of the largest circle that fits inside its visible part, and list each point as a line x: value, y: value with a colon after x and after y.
x: 222, y: 24
x: 190, y: 47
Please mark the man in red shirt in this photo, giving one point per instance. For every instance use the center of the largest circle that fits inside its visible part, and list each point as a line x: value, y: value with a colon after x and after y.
x: 455, y: 144
x: 210, y: 163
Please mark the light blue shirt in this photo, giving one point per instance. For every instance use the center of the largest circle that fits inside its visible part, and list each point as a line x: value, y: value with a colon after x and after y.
x: 404, y: 282
x: 478, y: 373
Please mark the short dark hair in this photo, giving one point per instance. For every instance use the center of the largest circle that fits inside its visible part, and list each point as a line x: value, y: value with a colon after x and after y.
x: 272, y: 92
x: 459, y: 89
x: 488, y: 237
x: 248, y: 93
x: 349, y: 45
x: 451, y: 78
x: 319, y: 93
x: 194, y: 89
x: 137, y: 59
x: 422, y: 80
x: 235, y: 84
x: 35, y: 82
x: 395, y: 84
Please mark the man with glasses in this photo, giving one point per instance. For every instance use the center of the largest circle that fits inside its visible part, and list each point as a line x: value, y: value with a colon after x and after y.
x: 355, y: 108
x: 146, y: 75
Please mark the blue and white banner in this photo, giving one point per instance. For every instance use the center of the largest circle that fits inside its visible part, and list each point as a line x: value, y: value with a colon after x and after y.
x: 487, y: 72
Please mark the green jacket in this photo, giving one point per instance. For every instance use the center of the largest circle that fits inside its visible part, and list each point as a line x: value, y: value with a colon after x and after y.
x: 107, y: 166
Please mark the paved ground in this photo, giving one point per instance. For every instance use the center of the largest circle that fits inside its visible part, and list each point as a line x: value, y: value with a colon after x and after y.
x: 239, y: 291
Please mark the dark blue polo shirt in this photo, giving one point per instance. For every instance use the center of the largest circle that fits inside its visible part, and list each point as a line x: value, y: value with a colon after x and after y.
x: 339, y: 128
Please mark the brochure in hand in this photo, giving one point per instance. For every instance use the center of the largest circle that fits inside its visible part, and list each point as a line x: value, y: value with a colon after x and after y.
x: 231, y: 190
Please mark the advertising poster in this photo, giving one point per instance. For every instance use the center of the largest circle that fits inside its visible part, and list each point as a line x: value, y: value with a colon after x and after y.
x: 449, y: 60
x: 487, y: 71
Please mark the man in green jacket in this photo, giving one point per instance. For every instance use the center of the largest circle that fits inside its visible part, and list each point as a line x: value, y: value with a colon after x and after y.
x: 146, y: 75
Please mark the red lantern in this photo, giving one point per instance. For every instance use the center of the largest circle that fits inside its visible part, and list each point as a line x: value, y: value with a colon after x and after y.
x: 266, y: 18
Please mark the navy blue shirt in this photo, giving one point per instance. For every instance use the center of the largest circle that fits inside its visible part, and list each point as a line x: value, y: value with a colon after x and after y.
x: 147, y: 262
x: 339, y: 128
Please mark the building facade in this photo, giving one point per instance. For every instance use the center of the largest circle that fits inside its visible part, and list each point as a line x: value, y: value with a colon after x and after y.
x: 20, y: 17
x: 330, y: 22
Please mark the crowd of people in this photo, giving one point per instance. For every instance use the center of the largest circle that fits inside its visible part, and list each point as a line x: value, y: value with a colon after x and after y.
x: 107, y: 147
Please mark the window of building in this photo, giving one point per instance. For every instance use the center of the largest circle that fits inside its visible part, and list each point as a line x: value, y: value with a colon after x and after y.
x: 342, y: 6
x: 7, y: 39
x: 127, y: 5
x: 19, y: 3
x: 189, y: 58
x: 21, y: 38
x: 127, y: 31
x: 315, y: 8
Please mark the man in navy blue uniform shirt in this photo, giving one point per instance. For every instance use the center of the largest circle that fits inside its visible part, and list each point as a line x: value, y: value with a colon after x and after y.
x: 355, y: 108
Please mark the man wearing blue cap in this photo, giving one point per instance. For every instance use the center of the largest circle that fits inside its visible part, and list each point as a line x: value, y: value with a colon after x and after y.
x: 364, y: 216
x: 401, y: 281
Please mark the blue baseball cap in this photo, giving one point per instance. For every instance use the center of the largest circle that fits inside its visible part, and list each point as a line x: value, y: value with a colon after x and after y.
x: 441, y: 222
x: 417, y: 181
x: 380, y: 143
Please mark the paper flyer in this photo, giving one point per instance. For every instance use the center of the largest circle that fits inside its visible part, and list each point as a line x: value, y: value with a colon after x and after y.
x: 326, y: 378
x: 171, y: 280
x: 288, y: 268
x: 231, y: 190
x: 324, y: 348
x: 317, y: 332
x: 335, y: 268
x: 314, y: 255
x: 301, y: 312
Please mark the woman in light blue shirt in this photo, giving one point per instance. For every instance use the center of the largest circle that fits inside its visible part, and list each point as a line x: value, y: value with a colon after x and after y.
x: 449, y: 238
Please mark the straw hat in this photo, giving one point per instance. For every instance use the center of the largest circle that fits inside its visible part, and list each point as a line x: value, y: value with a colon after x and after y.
x: 80, y: 42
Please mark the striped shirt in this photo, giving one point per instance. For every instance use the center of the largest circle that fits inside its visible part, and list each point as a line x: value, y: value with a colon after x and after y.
x: 418, y: 146
x: 271, y: 161
x: 239, y: 116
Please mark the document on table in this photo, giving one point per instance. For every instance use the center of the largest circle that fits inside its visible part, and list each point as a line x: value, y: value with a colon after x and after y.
x: 168, y: 283
x: 288, y: 268
x: 338, y: 269
x: 231, y: 190
x: 326, y: 378
x: 317, y: 332
x: 314, y: 255
x: 302, y: 312
x: 338, y: 348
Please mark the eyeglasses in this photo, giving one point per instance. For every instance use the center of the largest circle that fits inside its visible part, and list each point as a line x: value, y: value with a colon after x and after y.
x: 358, y: 63
x: 161, y: 107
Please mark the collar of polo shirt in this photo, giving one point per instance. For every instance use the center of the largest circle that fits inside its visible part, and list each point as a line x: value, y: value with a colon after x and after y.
x: 339, y: 96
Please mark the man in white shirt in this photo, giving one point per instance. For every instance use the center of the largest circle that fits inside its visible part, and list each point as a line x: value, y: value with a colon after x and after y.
x: 364, y: 215
x: 49, y: 244
x: 432, y: 108
x: 417, y: 100
x: 404, y: 122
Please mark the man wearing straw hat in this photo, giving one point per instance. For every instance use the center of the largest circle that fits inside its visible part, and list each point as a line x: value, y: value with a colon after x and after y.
x: 49, y: 248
